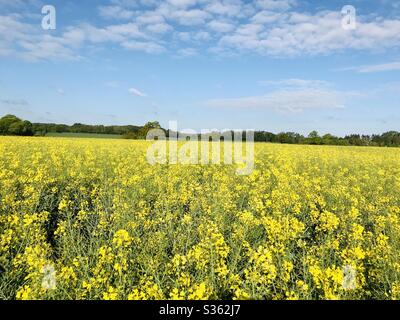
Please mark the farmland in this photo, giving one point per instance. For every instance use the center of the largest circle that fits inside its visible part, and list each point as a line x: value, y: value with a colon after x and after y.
x: 82, y: 135
x: 92, y: 219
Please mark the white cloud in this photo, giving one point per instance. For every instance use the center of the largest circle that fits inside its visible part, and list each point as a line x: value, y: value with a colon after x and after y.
x: 11, y: 29
x: 27, y: 42
x: 290, y: 95
x: 19, y: 3
x: 307, y: 34
x: 148, y: 47
x: 391, y: 66
x: 46, y: 48
x: 115, y: 12
x: 221, y: 26
x: 276, y: 4
x: 285, y: 100
x: 199, y: 37
x: 264, y: 17
x: 229, y: 27
x: 159, y: 28
x: 296, y: 83
x: 226, y: 8
x: 190, y: 17
x: 182, y: 3
x: 137, y: 93
x: 183, y: 36
x: 74, y: 36
x: 150, y: 17
x: 187, y: 52
x: 131, y: 4
x: 130, y: 30
x: 250, y: 29
x: 202, y: 36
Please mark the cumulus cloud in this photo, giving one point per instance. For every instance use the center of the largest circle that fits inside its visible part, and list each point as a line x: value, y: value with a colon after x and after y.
x: 115, y: 12
x: 190, y: 17
x: 202, y: 36
x: 225, y: 8
x: 182, y: 3
x: 265, y: 17
x: 183, y: 36
x: 150, y: 17
x: 148, y: 47
x: 18, y: 3
x: 159, y: 28
x: 46, y: 47
x: 12, y: 29
x: 276, y: 4
x: 277, y: 28
x: 32, y: 45
x: 321, y: 33
x: 221, y: 26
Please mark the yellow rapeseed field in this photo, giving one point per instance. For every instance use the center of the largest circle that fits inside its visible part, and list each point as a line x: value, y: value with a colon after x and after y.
x: 91, y: 219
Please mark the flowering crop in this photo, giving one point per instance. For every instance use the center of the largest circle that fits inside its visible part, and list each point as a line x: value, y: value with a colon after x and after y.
x: 91, y: 219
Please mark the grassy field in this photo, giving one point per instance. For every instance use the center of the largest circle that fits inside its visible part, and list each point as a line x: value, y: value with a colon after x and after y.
x: 91, y: 219
x: 83, y: 135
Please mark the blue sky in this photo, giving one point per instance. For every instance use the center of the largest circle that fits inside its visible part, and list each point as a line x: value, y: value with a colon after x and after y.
x: 276, y: 65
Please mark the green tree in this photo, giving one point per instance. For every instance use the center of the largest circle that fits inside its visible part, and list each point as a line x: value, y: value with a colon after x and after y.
x: 313, y: 134
x: 142, y: 134
x: 314, y: 138
x: 21, y: 128
x: 12, y: 125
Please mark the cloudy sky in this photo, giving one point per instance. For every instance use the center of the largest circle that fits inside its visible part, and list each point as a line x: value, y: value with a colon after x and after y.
x: 277, y: 65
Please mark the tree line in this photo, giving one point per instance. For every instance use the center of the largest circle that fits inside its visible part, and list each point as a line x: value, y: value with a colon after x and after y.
x: 12, y: 125
x: 387, y: 139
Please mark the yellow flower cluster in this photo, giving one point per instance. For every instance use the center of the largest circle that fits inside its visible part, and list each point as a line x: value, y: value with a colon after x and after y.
x: 92, y: 219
